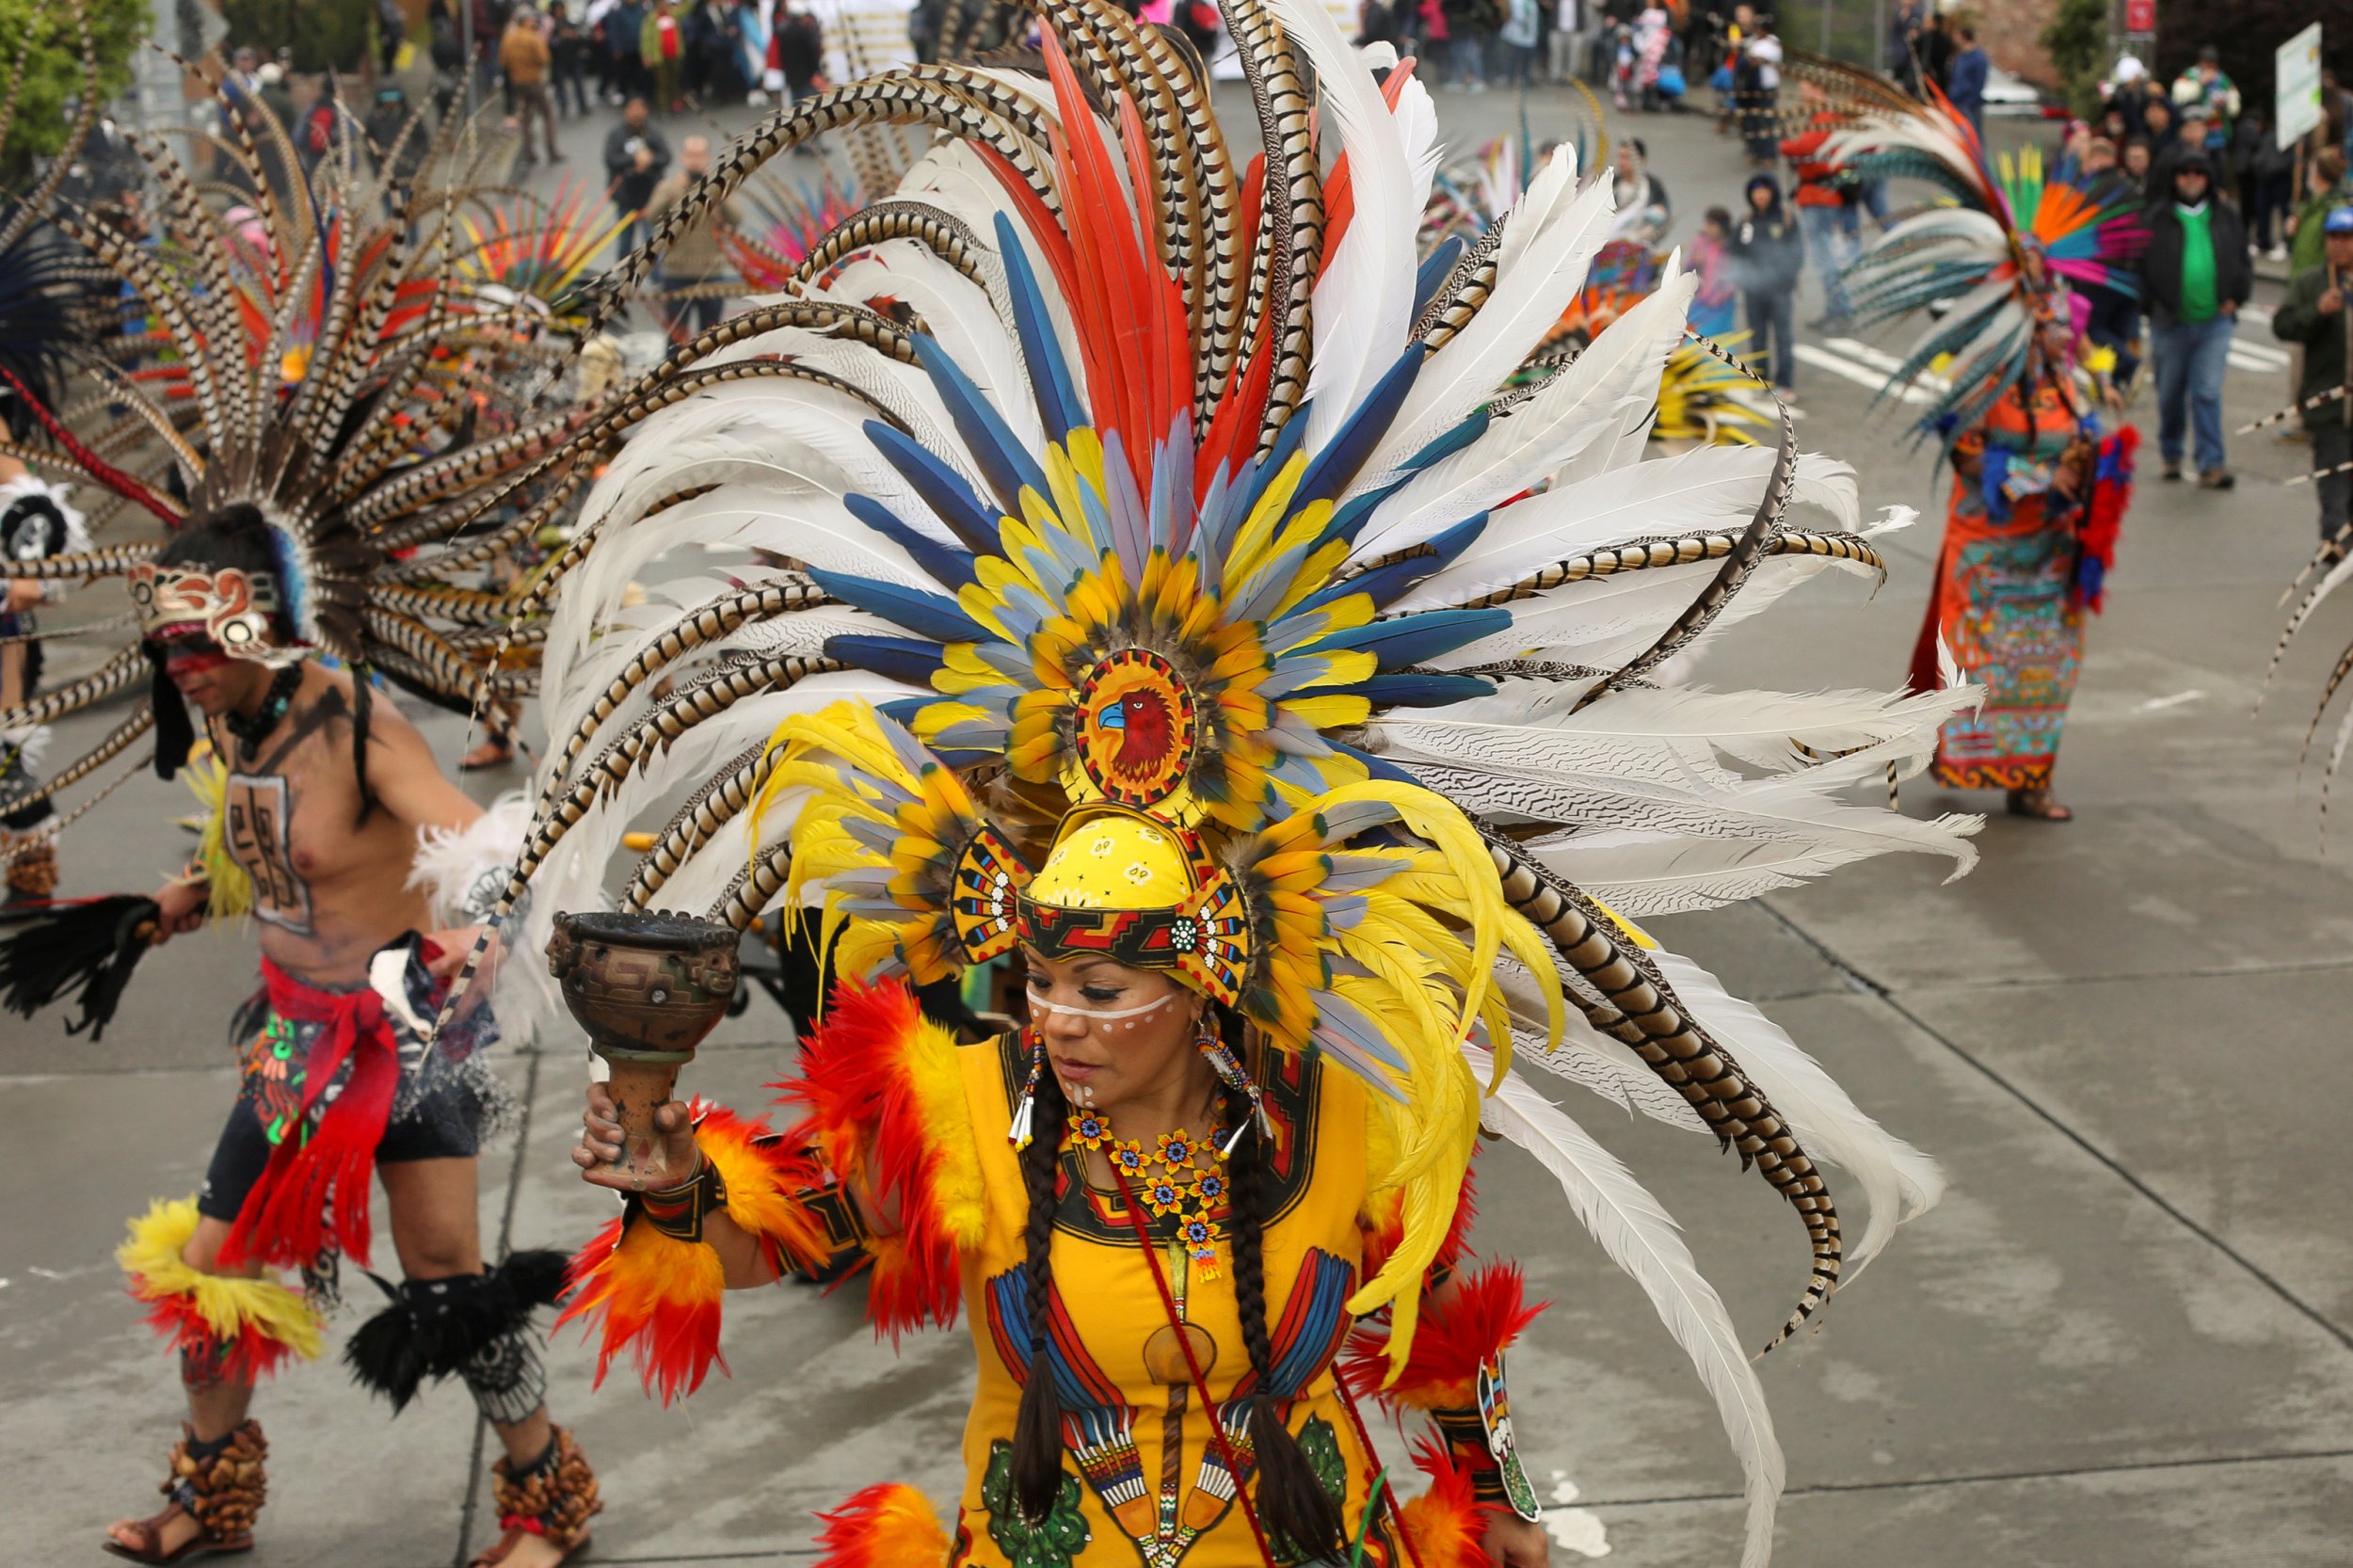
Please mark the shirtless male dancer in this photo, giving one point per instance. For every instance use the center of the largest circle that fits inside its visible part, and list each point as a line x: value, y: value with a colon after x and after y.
x: 331, y: 808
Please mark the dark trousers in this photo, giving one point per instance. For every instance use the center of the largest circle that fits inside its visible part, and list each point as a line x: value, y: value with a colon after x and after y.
x: 532, y: 103
x: 2115, y: 323
x: 571, y: 84
x: 1771, y: 317
x: 1758, y: 127
x: 2267, y: 198
x: 2333, y: 447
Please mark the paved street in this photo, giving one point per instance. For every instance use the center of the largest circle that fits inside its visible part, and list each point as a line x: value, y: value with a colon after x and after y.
x: 2124, y: 1341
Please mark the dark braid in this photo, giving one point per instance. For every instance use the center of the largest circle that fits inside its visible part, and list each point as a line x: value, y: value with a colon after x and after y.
x: 1038, y: 1472
x: 1293, y: 1502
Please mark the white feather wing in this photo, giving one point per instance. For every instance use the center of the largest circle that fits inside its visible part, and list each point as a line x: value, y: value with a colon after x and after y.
x: 1642, y: 1238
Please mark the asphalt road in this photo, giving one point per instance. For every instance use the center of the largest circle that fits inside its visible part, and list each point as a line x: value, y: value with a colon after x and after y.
x: 2125, y: 1338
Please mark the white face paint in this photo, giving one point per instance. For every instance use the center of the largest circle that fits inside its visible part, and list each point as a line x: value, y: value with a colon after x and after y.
x: 1124, y: 1016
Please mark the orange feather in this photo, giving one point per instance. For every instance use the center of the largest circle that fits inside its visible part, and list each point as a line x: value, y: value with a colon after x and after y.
x: 875, y: 1109
x: 1446, y: 1526
x: 887, y: 1526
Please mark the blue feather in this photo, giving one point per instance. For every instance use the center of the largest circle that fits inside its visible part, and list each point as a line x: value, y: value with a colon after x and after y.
x: 1258, y: 476
x: 1435, y: 268
x: 949, y: 567
x: 904, y: 659
x: 1354, y: 441
x: 925, y: 614
x: 1008, y: 465
x: 1413, y: 639
x: 1415, y: 689
x: 942, y: 489
x: 1058, y: 402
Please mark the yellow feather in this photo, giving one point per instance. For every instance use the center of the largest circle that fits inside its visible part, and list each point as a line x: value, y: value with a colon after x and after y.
x: 230, y: 1305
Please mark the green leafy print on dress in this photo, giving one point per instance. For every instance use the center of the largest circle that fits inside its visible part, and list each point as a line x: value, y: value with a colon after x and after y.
x: 1321, y: 1446
x: 1053, y: 1544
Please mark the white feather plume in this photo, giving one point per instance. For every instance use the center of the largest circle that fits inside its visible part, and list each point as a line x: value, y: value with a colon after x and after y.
x: 1642, y: 1238
x: 1364, y: 298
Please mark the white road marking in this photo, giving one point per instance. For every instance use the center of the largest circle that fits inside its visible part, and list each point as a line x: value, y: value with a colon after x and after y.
x: 1862, y: 376
x: 1579, y: 1530
x: 2159, y: 704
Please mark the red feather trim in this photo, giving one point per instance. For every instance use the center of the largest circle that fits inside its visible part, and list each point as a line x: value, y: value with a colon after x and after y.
x: 887, y: 1526
x: 1485, y: 1312
x: 859, y: 1092
x: 245, y: 1358
x: 2104, y: 513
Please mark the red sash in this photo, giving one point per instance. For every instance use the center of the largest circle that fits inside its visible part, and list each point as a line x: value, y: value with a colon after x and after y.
x: 315, y: 1186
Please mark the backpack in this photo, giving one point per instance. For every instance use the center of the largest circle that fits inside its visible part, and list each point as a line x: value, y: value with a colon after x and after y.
x: 318, y: 128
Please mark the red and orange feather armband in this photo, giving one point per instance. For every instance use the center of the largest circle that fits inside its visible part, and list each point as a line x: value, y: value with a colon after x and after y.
x: 657, y: 1295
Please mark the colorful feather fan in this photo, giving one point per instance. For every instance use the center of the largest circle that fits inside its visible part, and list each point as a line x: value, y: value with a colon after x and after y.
x: 1996, y: 253
x: 328, y: 363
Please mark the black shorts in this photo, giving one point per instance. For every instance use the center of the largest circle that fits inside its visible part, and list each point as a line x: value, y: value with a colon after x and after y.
x: 245, y: 1148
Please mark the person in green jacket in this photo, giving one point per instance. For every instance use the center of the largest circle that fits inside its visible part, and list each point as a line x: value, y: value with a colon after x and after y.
x: 2326, y: 187
x: 2314, y: 316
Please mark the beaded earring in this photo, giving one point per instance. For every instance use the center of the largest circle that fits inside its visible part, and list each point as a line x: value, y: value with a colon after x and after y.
x: 1222, y: 1062
x: 1025, y: 1108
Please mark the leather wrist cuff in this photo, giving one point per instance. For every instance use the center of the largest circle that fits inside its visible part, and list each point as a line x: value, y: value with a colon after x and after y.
x: 679, y: 1212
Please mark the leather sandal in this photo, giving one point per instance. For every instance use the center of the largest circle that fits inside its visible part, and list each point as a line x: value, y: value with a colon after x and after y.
x: 222, y: 1491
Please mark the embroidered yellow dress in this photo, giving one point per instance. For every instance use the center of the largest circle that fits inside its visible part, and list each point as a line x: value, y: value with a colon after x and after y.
x: 1143, y: 1479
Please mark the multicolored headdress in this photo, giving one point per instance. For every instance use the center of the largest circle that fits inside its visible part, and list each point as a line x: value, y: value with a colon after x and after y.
x: 1103, y: 469
x: 322, y: 373
x: 2001, y: 249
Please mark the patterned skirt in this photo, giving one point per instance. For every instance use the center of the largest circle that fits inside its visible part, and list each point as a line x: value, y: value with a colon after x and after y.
x: 2001, y: 605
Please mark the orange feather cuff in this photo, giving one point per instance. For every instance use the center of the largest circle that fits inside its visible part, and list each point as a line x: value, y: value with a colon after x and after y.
x: 882, y: 1103
x: 658, y: 1297
x: 1446, y: 1526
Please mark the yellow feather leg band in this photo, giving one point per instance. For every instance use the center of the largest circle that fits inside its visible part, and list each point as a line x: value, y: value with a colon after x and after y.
x: 247, y: 1326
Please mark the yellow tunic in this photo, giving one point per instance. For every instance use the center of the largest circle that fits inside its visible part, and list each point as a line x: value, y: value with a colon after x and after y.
x: 1143, y: 1482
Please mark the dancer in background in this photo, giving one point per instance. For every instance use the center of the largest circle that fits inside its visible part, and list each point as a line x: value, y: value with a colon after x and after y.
x: 2040, y: 481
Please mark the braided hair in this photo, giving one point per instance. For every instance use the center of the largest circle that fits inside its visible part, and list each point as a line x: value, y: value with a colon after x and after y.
x: 1291, y: 1502
x: 1037, y: 1426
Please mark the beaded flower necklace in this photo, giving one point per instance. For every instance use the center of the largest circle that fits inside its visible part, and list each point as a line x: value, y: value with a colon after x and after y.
x: 1167, y: 1179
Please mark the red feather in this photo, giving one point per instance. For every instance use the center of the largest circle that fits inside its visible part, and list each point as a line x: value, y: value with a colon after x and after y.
x: 857, y: 1089
x: 1485, y: 1312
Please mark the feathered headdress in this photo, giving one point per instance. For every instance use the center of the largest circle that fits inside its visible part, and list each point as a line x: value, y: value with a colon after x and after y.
x: 1999, y: 248
x: 1114, y: 468
x: 324, y: 359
